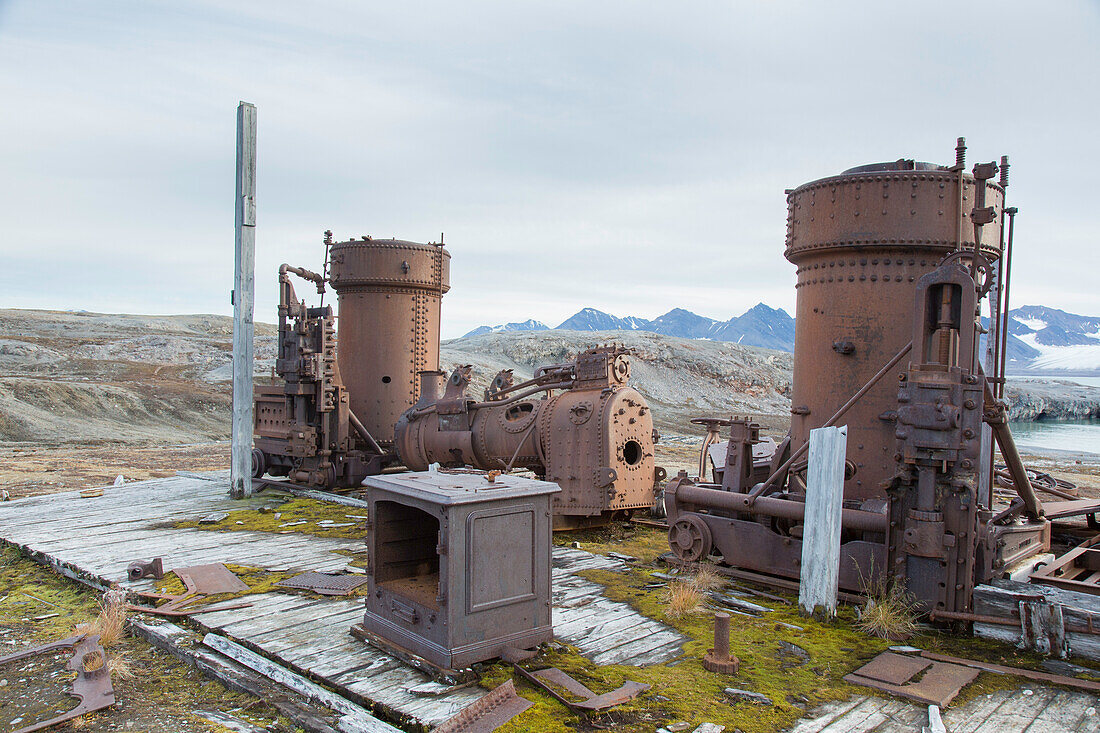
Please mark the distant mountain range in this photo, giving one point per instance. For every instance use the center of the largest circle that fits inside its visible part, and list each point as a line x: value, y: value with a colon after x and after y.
x: 762, y: 326
x: 1041, y: 339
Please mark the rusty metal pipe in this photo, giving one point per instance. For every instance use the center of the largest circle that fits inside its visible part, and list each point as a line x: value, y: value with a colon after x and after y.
x: 761, y: 488
x: 500, y: 403
x: 359, y: 428
x: 521, y: 395
x: 1008, y: 282
x: 1020, y: 481
x: 769, y: 506
x: 302, y: 273
x: 977, y: 618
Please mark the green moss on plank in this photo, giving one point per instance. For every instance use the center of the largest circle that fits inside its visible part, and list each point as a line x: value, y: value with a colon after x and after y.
x: 261, y: 517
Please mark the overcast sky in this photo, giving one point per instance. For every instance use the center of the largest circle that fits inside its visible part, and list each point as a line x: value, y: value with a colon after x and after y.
x: 627, y: 156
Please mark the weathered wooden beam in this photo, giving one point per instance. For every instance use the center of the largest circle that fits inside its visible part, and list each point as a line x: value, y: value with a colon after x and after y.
x: 820, y: 574
x: 352, y: 713
x: 244, y: 265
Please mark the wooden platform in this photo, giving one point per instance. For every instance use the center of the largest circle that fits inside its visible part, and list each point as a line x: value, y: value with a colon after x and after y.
x: 96, y: 539
x: 1034, y: 709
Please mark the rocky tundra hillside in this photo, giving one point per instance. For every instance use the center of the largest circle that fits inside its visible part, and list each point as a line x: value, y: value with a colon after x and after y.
x: 89, y: 378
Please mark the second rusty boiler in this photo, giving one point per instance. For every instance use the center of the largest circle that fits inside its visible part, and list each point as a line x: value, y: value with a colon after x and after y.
x: 579, y: 425
x: 860, y: 241
x: 390, y: 294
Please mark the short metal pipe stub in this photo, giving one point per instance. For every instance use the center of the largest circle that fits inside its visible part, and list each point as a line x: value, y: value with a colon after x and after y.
x: 718, y: 659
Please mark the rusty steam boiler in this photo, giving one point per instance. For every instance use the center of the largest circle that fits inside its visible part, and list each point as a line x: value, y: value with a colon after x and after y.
x: 330, y: 420
x: 893, y: 260
x: 594, y: 437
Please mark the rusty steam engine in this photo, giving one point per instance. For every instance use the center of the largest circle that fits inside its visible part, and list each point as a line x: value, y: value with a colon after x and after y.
x: 893, y: 261
x: 352, y: 403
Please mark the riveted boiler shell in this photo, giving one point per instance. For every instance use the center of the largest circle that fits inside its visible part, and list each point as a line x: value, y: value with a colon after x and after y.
x: 861, y: 241
x: 508, y: 434
x: 389, y: 302
x: 586, y: 432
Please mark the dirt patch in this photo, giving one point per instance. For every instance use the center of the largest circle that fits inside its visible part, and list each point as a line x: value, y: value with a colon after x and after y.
x: 28, y: 470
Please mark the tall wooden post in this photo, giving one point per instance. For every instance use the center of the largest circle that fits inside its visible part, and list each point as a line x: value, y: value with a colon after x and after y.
x: 244, y: 265
x: 820, y: 575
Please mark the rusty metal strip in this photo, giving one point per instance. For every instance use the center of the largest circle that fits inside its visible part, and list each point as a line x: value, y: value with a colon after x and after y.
x: 327, y: 584
x: 543, y: 678
x: 555, y: 676
x: 627, y: 692
x: 487, y: 714
x: 92, y: 686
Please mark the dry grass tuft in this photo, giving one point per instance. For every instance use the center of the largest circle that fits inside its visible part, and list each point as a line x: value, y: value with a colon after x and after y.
x: 889, y: 612
x: 706, y: 578
x: 683, y: 599
x: 110, y: 624
x: 120, y: 667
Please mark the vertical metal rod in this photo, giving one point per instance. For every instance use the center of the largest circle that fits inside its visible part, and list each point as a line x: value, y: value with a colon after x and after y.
x: 960, y: 164
x: 244, y: 266
x: 1005, y: 306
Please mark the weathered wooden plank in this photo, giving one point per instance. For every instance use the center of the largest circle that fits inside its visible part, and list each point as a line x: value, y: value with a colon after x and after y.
x: 652, y: 649
x: 231, y: 621
x: 864, y: 717
x: 295, y: 682
x: 323, y: 629
x: 350, y: 653
x: 1063, y: 712
x: 820, y: 574
x: 573, y: 621
x: 825, y: 715
x: 244, y: 286
x: 967, y: 719
x: 1018, y: 711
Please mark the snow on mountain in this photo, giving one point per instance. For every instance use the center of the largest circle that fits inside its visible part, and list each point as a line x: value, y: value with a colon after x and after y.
x: 529, y: 325
x: 761, y: 326
x: 590, y: 319
x: 1048, y: 339
x: 769, y: 328
x: 1041, y: 339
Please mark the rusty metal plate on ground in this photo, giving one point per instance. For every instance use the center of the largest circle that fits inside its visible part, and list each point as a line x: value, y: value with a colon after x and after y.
x: 211, y: 579
x: 894, y: 669
x: 561, y: 679
x: 92, y: 685
x: 938, y: 686
x: 334, y: 584
x: 628, y: 691
x: 487, y: 714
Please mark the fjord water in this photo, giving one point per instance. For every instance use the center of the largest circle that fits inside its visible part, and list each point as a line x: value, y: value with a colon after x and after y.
x: 1049, y: 437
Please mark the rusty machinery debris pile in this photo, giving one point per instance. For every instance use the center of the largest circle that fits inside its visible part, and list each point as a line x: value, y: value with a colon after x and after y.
x: 351, y: 404
x: 594, y: 438
x: 893, y: 261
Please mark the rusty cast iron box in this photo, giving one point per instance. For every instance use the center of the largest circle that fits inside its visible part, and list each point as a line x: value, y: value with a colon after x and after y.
x: 459, y: 565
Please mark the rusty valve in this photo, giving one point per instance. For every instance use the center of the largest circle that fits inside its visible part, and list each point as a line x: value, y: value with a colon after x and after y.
x: 718, y: 659
x: 140, y: 569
